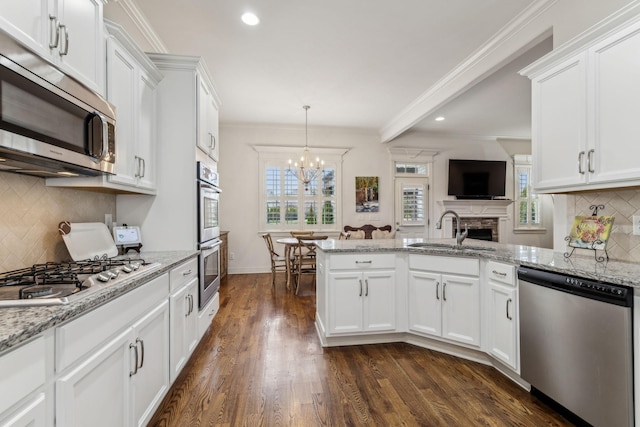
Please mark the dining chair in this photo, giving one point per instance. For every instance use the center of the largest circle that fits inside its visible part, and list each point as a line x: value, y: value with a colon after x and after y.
x: 304, y: 259
x: 343, y: 236
x: 278, y: 263
x: 301, y: 233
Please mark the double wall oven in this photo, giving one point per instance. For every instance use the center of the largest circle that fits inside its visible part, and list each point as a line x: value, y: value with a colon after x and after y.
x: 208, y: 232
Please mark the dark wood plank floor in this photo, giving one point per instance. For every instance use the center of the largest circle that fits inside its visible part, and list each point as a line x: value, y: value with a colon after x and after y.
x: 261, y: 364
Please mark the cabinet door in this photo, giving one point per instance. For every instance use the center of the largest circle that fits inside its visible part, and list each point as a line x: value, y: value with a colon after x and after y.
x: 151, y: 335
x: 96, y: 393
x: 461, y: 309
x: 191, y: 326
x: 28, y: 22
x: 559, y: 126
x: 31, y: 415
x: 379, y: 301
x: 146, y: 119
x: 121, y: 92
x: 503, y: 332
x: 81, y: 50
x: 616, y: 66
x: 425, y: 293
x: 183, y: 333
x: 207, y: 120
x: 213, y: 125
x: 346, y: 293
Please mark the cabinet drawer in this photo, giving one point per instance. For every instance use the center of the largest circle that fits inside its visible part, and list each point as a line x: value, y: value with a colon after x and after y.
x: 443, y: 264
x: 362, y: 261
x: 183, y: 274
x: 90, y: 330
x: 21, y: 372
x: 499, y: 272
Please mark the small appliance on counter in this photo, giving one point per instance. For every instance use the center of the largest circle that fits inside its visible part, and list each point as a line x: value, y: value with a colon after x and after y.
x: 127, y: 238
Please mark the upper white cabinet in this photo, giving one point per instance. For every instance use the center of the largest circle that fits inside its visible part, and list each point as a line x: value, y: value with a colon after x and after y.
x: 208, y: 135
x: 584, y: 115
x: 132, y: 80
x: 69, y: 33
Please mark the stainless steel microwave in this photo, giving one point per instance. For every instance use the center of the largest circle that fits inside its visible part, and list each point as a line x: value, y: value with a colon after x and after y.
x: 50, y: 124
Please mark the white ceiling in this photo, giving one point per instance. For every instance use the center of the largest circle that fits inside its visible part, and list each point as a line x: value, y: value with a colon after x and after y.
x: 357, y: 63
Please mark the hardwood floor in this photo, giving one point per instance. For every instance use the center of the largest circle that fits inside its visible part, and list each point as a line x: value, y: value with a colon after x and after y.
x: 261, y: 364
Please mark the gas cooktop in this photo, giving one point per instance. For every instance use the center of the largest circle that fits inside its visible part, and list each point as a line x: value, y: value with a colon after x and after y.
x: 59, y: 283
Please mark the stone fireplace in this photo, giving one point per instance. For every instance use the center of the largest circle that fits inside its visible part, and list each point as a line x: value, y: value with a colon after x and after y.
x: 484, y: 218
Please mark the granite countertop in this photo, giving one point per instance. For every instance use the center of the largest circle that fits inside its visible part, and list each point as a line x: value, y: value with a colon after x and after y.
x: 580, y: 265
x: 18, y: 324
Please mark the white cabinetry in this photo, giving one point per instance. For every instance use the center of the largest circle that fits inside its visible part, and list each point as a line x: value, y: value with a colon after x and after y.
x: 361, y: 293
x: 208, y: 135
x: 118, y: 353
x: 177, y: 140
x: 502, y: 314
x: 584, y: 115
x: 444, y: 298
x: 22, y: 381
x: 184, y: 314
x: 69, y: 33
x: 132, y: 80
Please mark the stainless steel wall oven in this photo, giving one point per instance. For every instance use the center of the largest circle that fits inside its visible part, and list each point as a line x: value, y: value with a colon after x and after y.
x: 208, y: 232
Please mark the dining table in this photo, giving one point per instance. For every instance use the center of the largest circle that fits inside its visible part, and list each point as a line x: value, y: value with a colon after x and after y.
x: 288, y: 242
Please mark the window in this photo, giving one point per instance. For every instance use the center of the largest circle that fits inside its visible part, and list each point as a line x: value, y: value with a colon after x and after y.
x: 528, y: 205
x: 287, y: 204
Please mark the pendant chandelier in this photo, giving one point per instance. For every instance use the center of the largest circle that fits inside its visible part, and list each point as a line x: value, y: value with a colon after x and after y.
x: 306, y: 171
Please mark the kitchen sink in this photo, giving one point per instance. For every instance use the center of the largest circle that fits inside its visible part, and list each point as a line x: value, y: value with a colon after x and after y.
x: 427, y: 245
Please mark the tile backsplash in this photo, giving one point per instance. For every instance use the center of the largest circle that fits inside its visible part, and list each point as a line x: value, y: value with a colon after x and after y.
x: 623, y: 205
x: 29, y: 217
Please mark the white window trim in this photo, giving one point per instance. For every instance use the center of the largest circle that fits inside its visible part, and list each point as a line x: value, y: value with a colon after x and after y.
x: 281, y: 155
x: 520, y: 160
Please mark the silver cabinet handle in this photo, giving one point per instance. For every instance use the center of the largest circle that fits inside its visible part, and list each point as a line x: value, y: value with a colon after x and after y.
x: 190, y: 304
x: 508, y: 315
x: 444, y: 291
x: 187, y: 273
x: 144, y: 167
x: 138, y: 340
x: 590, y: 160
x: 360, y: 288
x: 135, y: 348
x: 499, y: 273
x: 366, y: 282
x: 188, y: 299
x: 63, y: 29
x: 137, y: 174
x: 580, y: 161
x: 54, y: 32
x: 437, y: 290
x: 364, y: 262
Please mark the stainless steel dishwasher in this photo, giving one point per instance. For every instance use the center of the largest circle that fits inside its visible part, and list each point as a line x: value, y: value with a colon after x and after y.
x: 576, y: 344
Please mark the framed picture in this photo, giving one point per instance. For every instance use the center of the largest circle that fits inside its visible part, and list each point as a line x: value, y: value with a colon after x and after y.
x: 367, y: 194
x: 590, y: 232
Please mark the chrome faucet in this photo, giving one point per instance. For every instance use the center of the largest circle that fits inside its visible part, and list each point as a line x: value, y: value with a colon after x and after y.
x: 459, y: 236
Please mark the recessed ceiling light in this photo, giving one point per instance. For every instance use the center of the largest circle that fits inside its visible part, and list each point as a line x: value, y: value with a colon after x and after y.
x: 250, y: 19
x: 439, y: 119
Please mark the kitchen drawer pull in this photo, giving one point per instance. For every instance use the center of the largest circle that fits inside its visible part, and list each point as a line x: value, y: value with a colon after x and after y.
x: 138, y: 340
x: 444, y: 291
x: 499, y: 273
x: 137, y: 174
x: 360, y: 288
x: 437, y: 290
x: 64, y: 51
x: 580, y: 160
x: 54, y: 32
x: 366, y: 282
x: 144, y: 167
x: 186, y: 273
x: 364, y: 262
x: 590, y: 160
x: 135, y: 347
x: 508, y: 315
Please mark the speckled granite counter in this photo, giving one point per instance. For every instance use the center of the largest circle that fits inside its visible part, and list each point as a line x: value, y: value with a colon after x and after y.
x: 617, y: 272
x: 20, y: 324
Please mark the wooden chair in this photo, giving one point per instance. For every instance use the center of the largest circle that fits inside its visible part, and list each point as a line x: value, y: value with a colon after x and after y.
x: 278, y: 263
x: 343, y: 236
x: 301, y: 233
x: 304, y: 259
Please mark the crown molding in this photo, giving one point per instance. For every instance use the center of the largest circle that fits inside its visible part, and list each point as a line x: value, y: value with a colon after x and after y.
x: 142, y: 24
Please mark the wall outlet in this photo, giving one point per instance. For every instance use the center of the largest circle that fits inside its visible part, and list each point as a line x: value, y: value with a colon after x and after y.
x: 636, y: 225
x: 232, y: 255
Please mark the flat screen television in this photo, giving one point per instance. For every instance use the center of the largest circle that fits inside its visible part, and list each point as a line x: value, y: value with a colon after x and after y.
x: 477, y: 179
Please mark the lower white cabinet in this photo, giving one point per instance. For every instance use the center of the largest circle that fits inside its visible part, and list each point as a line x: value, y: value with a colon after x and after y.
x: 443, y: 304
x: 362, y: 301
x: 32, y: 414
x: 206, y: 315
x: 184, y: 325
x: 123, y: 381
x: 502, y: 314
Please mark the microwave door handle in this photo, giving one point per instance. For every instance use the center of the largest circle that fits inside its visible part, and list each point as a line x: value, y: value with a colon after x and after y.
x: 105, y: 136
